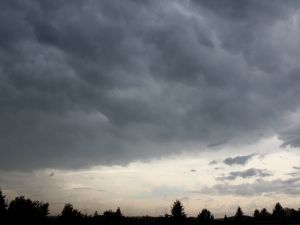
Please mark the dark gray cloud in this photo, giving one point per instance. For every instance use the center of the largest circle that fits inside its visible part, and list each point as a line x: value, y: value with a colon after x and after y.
x: 239, y: 160
x: 109, y: 82
x: 252, y: 172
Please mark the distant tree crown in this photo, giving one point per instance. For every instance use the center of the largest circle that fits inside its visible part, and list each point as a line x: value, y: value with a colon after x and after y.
x: 3, y: 205
x: 177, y: 210
x: 239, y: 213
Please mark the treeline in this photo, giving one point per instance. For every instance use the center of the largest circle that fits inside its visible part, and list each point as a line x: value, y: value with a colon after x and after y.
x: 22, y: 210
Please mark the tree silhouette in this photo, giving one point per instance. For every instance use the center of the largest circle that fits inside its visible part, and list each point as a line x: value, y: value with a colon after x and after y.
x: 279, y: 213
x: 69, y: 211
x: 205, y: 217
x: 225, y: 221
x: 264, y: 214
x: 278, y: 210
x: 26, y: 210
x: 290, y: 213
x: 239, y: 214
x: 118, y: 212
x: 109, y: 213
x: 69, y: 215
x: 256, y: 214
x: 3, y: 205
x: 111, y: 217
x: 177, y: 212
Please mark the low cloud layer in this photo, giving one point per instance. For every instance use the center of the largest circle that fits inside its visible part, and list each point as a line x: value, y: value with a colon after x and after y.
x: 252, y: 172
x: 278, y: 186
x: 109, y: 82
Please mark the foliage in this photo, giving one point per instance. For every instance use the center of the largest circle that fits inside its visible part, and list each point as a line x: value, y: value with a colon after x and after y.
x: 239, y: 214
x: 177, y: 210
x: 3, y: 204
x: 279, y: 213
x: 178, y: 215
x: 26, y: 210
x: 256, y: 213
x: 69, y: 215
x: 205, y: 217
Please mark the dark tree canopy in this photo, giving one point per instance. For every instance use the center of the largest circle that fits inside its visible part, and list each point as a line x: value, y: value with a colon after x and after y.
x: 225, y: 220
x: 278, y: 210
x: 261, y: 215
x: 111, y: 217
x: 110, y: 213
x: 118, y: 212
x: 205, y: 217
x: 256, y: 214
x: 264, y: 214
x: 22, y: 209
x: 69, y: 211
x: 279, y: 213
x: 3, y: 205
x: 178, y: 215
x: 239, y: 214
x: 69, y: 215
x: 177, y: 210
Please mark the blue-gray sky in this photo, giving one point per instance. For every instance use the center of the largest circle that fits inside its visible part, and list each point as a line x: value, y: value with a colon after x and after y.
x: 93, y: 83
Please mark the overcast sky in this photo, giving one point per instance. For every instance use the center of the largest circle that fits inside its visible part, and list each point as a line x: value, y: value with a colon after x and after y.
x: 126, y: 93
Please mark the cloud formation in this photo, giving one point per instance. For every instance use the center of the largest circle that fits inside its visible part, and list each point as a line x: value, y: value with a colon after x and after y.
x: 213, y: 162
x: 278, y: 186
x: 296, y: 167
x: 252, y: 172
x: 239, y: 160
x: 109, y: 82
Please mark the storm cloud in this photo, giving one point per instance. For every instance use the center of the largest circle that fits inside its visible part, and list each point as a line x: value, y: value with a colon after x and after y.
x: 108, y: 82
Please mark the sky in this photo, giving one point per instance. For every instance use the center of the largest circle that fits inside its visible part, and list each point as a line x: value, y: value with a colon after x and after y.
x: 139, y: 103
